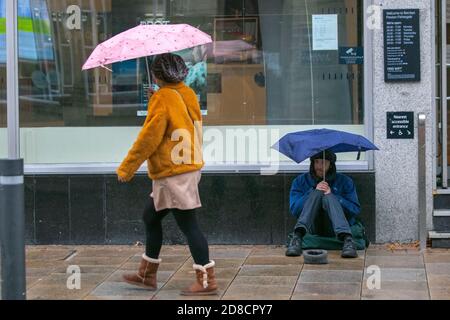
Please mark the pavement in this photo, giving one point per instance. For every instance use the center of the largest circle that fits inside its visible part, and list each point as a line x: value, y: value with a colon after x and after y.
x: 243, y: 272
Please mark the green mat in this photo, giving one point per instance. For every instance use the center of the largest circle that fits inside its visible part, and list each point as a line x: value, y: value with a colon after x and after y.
x: 311, y: 241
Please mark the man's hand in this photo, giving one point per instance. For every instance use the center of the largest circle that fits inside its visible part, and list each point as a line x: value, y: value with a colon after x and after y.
x: 121, y: 179
x: 323, y: 186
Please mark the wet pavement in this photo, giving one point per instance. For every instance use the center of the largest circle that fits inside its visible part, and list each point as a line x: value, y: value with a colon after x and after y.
x: 243, y: 273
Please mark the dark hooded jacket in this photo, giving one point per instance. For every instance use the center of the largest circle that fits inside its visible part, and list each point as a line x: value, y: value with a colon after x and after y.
x: 341, y: 186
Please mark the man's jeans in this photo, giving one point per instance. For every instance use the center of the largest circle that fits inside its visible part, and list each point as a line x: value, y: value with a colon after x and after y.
x: 319, y: 211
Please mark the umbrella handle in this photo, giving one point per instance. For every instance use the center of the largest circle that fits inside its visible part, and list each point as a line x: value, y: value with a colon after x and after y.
x: 106, y: 68
x: 323, y: 165
x: 149, y: 78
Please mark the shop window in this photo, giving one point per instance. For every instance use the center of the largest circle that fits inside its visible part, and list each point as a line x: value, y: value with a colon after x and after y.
x: 276, y: 64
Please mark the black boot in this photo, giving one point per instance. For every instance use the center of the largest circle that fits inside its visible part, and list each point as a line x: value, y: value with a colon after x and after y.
x: 349, y: 248
x: 295, y: 246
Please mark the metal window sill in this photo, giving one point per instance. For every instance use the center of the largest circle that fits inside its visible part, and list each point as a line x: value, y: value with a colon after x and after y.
x: 110, y: 168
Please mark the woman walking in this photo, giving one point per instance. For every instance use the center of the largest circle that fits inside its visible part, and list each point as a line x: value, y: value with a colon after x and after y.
x: 171, y: 142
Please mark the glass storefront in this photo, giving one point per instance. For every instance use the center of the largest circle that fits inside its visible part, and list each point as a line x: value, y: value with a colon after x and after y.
x: 275, y: 66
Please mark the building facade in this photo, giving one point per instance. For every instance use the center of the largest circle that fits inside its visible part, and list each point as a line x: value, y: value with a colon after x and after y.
x: 274, y: 67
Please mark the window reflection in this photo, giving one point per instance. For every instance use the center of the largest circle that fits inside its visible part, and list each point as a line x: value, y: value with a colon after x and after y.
x: 260, y: 70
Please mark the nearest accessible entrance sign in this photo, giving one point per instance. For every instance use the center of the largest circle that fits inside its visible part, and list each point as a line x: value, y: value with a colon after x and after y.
x: 400, y: 125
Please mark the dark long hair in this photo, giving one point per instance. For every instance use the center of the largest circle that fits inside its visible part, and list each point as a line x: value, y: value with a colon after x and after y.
x: 170, y: 68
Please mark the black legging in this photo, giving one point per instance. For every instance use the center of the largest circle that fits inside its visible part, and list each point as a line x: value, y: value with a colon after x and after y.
x: 187, y: 223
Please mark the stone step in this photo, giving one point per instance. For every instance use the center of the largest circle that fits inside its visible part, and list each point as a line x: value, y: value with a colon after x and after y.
x: 439, y: 239
x: 441, y: 221
x: 441, y: 213
x: 439, y: 235
x: 441, y: 201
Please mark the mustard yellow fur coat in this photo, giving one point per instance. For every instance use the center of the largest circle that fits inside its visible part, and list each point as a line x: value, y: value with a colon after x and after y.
x: 171, y: 137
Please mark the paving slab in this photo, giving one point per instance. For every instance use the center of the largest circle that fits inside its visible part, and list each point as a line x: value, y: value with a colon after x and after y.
x: 268, y: 251
x: 330, y: 276
x: 437, y: 268
x: 398, y: 290
x: 175, y: 295
x: 399, y: 274
x: 440, y: 293
x: 94, y: 260
x: 327, y: 291
x: 164, y: 258
x: 386, y: 252
x: 183, y: 283
x: 174, y: 250
x: 395, y: 295
x: 121, y: 289
x: 134, y: 266
x: 405, y: 262
x: 265, y: 281
x: 336, y: 254
x: 56, y: 292
x: 337, y: 264
x: 220, y: 263
x: 231, y: 253
x: 274, y: 260
x: 48, y: 254
x: 162, y: 276
x: 437, y: 258
x: 270, y: 270
x: 87, y: 269
x: 60, y: 280
x: 221, y: 273
x: 44, y: 264
x: 117, y: 298
x: 439, y: 281
x: 39, y: 272
x: 255, y: 292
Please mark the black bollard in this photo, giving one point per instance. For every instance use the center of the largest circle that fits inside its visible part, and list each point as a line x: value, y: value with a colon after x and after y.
x: 12, y: 230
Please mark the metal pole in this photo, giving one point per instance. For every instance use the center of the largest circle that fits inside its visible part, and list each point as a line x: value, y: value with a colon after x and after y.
x: 12, y: 230
x: 444, y: 114
x: 422, y: 181
x: 12, y: 207
x: 12, y: 69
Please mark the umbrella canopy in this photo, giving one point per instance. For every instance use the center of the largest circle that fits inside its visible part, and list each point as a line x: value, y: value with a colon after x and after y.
x: 146, y: 40
x: 302, y: 145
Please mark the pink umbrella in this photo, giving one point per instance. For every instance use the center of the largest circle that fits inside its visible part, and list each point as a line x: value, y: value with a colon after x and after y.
x: 146, y: 40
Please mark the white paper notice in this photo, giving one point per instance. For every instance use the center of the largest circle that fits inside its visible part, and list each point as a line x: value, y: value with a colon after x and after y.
x: 325, y: 31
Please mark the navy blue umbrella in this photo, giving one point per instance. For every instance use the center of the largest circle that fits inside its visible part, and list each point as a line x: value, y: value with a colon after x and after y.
x: 302, y: 145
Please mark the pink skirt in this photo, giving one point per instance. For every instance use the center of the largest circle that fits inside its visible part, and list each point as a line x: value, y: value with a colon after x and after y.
x: 180, y: 192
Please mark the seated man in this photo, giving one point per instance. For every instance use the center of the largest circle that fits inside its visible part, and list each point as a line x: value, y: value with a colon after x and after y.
x: 325, y: 208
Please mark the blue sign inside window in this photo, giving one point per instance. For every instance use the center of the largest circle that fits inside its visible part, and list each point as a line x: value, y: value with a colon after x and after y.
x: 351, y: 55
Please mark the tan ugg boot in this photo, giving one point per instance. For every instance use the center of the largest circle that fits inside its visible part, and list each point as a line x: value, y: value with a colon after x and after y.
x: 205, y: 283
x: 146, y: 275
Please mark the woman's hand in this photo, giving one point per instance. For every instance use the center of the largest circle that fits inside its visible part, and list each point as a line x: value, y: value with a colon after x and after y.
x: 150, y: 93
